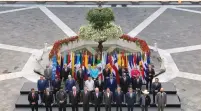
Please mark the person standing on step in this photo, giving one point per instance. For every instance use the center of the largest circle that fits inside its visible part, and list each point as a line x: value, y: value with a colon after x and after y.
x: 85, y: 98
x: 145, y: 100
x: 80, y: 78
x: 161, y: 100
x: 56, y: 87
x: 48, y: 99
x: 97, y: 99
x: 42, y: 85
x: 150, y: 73
x: 119, y: 99
x: 66, y: 71
x: 48, y: 75
x: 90, y: 86
x: 100, y: 84
x: 74, y: 98
x: 130, y: 99
x: 33, y: 99
x: 156, y: 86
x: 108, y: 99
x: 61, y: 97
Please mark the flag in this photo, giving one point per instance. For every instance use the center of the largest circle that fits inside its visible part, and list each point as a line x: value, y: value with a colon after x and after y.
x: 129, y: 66
x: 126, y: 60
x: 119, y: 60
x: 54, y: 65
x: 148, y: 58
x: 69, y: 59
x: 115, y: 68
x: 86, y: 60
x: 73, y: 64
x: 65, y: 58
x: 103, y: 61
x: 135, y: 59
x: 123, y: 59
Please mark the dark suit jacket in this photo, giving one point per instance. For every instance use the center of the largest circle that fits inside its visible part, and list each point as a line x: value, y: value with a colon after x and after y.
x: 130, y: 100
x: 147, y: 100
x: 56, y: 84
x: 69, y: 84
x: 80, y: 79
x: 106, y: 73
x: 120, y: 71
x: 97, y: 100
x: 156, y: 87
x: 112, y: 85
x: 74, y: 99
x: 85, y: 98
x: 107, y: 100
x: 100, y: 86
x: 31, y: 99
x: 136, y: 84
x: 119, y: 98
x: 48, y: 73
x: 124, y: 84
x: 150, y: 74
x: 48, y: 99
x: 42, y: 85
x: 61, y: 96
x: 65, y: 74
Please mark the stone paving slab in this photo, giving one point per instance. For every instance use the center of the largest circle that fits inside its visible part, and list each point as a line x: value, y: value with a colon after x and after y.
x: 188, y: 61
x: 127, y: 18
x: 29, y: 28
x: 12, y: 61
x: 9, y: 8
x: 9, y: 93
x: 173, y: 29
x: 189, y: 93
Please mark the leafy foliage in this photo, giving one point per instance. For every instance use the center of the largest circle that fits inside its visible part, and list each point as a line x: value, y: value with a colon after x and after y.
x: 100, y: 17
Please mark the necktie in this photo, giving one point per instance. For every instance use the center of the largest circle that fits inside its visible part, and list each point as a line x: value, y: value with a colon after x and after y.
x: 131, y: 95
x: 97, y: 95
x: 108, y: 95
x: 74, y: 93
x: 33, y: 95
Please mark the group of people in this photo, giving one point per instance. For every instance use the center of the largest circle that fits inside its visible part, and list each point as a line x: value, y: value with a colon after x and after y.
x: 98, y: 91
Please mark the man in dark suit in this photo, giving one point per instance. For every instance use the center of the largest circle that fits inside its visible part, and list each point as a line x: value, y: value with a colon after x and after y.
x: 42, y: 85
x: 156, y: 86
x: 150, y: 73
x: 97, y: 99
x: 65, y: 72
x: 137, y: 84
x: 100, y: 84
x: 70, y: 82
x: 119, y: 99
x: 108, y: 99
x: 80, y: 78
x: 33, y: 99
x: 111, y: 83
x: 48, y: 74
x: 48, y: 99
x: 74, y: 98
x: 120, y: 71
x: 56, y: 87
x: 61, y: 97
x: 106, y: 73
x: 85, y: 96
x: 161, y: 100
x: 130, y: 99
x: 124, y: 83
x: 145, y: 100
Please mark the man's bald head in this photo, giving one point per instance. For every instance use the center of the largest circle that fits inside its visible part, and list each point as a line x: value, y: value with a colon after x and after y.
x: 161, y: 89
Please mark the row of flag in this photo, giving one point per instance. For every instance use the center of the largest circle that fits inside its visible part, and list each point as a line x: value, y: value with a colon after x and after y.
x: 113, y: 61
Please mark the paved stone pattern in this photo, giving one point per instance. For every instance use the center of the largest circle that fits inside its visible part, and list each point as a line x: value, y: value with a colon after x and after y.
x: 29, y: 28
x: 12, y: 61
x: 173, y: 29
x: 9, y: 8
x: 9, y: 92
x: 127, y: 18
x: 189, y: 93
x: 188, y: 61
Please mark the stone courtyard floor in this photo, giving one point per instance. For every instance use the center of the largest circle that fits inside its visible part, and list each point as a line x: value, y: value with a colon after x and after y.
x: 176, y: 30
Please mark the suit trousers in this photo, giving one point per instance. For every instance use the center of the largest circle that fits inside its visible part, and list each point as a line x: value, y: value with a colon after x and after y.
x: 34, y: 106
x: 75, y: 107
x: 130, y: 107
x: 144, y: 108
x: 149, y: 82
x: 48, y: 107
x: 107, y: 107
x: 97, y: 107
x: 62, y: 107
x: 154, y: 94
x: 41, y: 96
x: 85, y: 107
x: 160, y: 108
x: 118, y: 106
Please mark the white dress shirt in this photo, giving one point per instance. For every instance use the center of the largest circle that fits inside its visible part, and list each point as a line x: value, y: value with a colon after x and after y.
x: 89, y: 85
